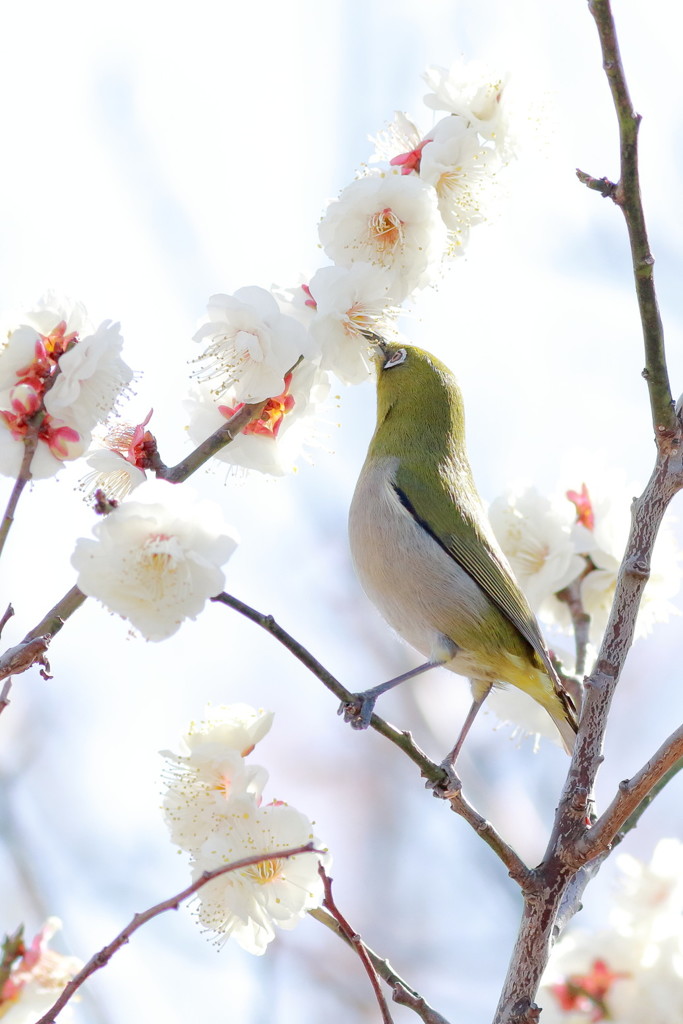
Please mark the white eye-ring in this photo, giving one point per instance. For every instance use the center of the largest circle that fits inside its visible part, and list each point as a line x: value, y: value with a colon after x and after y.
x: 396, y: 358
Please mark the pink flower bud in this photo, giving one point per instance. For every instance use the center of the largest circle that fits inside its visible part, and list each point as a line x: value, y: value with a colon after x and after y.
x: 25, y: 400
x: 63, y: 441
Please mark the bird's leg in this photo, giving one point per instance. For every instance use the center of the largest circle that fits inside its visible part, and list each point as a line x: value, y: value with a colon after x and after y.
x: 482, y: 694
x: 358, y: 712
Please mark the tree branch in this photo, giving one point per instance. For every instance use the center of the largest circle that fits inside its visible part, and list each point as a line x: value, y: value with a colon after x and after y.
x: 444, y: 783
x: 104, y: 956
x: 30, y: 445
x: 356, y: 943
x: 633, y: 793
x: 402, y: 991
x: 627, y: 195
x: 565, y: 854
x: 208, y: 448
x: 581, y: 620
x: 517, y: 869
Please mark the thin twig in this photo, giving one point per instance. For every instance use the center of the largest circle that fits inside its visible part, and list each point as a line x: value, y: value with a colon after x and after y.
x: 517, y: 869
x: 53, y: 621
x: 437, y: 776
x: 405, y: 997
x: 429, y: 769
x: 104, y: 956
x: 24, y: 475
x: 627, y: 196
x: 413, y: 999
x: 356, y: 943
x: 7, y: 615
x: 20, y: 658
x: 604, y: 186
x: 581, y: 620
x: 207, y: 449
x: 4, y: 694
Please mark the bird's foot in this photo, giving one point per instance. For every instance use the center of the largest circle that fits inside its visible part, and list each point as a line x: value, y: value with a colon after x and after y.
x: 357, y: 711
x: 449, y: 785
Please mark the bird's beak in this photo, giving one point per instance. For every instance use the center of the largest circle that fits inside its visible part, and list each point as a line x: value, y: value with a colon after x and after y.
x: 377, y: 343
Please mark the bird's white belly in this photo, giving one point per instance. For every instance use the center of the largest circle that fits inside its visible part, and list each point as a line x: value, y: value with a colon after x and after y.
x: 420, y: 590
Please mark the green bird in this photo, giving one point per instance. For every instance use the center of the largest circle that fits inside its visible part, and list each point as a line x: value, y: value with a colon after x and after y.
x: 426, y: 555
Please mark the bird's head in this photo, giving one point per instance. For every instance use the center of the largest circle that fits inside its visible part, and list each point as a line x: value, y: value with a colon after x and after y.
x: 417, y: 395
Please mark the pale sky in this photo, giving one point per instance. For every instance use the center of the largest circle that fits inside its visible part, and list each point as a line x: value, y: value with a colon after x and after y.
x: 156, y: 154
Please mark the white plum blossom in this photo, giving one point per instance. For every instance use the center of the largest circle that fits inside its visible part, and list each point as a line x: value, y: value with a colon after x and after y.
x: 400, y: 137
x: 211, y: 770
x: 112, y: 473
x: 248, y: 904
x: 37, y: 978
x: 472, y: 92
x: 55, y: 389
x: 92, y: 377
x: 212, y: 806
x: 273, y: 443
x: 350, y: 303
x: 632, y: 970
x: 297, y: 302
x: 650, y: 895
x: 119, y: 459
x: 156, y: 560
x: 196, y: 802
x: 52, y: 309
x: 390, y: 220
x: 238, y: 727
x: 454, y: 161
x: 249, y: 345
x: 537, y: 538
x: 23, y: 347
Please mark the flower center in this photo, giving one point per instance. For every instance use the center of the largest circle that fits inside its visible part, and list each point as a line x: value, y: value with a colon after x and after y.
x: 264, y: 872
x: 385, y: 230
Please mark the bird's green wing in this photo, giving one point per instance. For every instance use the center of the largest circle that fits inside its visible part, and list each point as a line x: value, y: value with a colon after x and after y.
x: 453, y: 515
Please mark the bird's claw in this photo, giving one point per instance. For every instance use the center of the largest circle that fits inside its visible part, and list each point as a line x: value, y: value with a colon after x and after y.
x: 358, y: 711
x: 448, y: 786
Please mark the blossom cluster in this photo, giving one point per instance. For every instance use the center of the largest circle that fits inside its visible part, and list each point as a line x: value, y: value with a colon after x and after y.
x: 632, y: 970
x: 386, y: 234
x: 59, y: 378
x: 579, y: 540
x: 214, y: 811
x: 37, y: 975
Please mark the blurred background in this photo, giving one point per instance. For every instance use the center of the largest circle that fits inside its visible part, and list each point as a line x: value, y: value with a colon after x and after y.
x: 155, y: 154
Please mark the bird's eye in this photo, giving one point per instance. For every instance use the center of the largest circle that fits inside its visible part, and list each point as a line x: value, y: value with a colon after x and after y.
x: 396, y: 358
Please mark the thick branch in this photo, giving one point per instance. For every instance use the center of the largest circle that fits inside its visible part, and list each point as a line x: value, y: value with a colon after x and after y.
x: 627, y: 196
x: 667, y: 761
x: 530, y: 955
x: 646, y: 516
x: 566, y: 853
